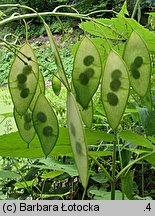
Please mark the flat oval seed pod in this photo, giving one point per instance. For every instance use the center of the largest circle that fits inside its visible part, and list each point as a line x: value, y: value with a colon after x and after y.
x: 86, y: 72
x: 77, y: 138
x: 40, y: 89
x: 23, y: 78
x: 115, y: 94
x: 56, y: 85
x: 87, y: 114
x: 25, y: 126
x: 137, y: 58
x: 46, y: 124
x: 57, y: 57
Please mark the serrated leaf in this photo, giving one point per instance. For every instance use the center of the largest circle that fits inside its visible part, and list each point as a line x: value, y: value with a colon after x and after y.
x: 77, y: 138
x: 23, y: 78
x: 45, y: 124
x: 115, y: 88
x: 136, y: 139
x: 137, y: 58
x: 86, y: 72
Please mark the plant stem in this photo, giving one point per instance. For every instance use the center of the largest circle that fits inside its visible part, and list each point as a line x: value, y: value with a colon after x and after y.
x: 142, y: 178
x: 113, y: 183
x: 102, y: 168
x: 132, y: 163
x: 135, y: 9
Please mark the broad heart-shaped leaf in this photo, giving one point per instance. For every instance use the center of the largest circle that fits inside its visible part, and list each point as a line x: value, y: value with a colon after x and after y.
x: 86, y: 71
x: 115, y: 88
x: 25, y: 125
x: 77, y: 138
x: 46, y: 124
x: 136, y: 139
x: 137, y: 58
x: 57, y: 57
x: 23, y: 78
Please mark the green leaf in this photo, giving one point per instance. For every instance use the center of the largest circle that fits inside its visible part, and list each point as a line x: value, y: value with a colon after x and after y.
x: 8, y: 174
x: 115, y: 88
x: 11, y: 145
x: 100, y: 178
x: 77, y: 138
x: 52, y: 164
x: 23, y: 78
x: 136, y: 139
x: 127, y: 184
x: 137, y: 58
x: 51, y: 174
x: 86, y: 72
x: 25, y: 125
x: 45, y: 124
x: 123, y: 11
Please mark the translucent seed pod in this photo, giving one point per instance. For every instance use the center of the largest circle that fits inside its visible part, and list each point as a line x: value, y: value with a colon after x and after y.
x: 77, y: 138
x: 137, y: 58
x: 114, y: 88
x: 25, y: 126
x: 23, y: 78
x: 46, y: 124
x: 86, y: 72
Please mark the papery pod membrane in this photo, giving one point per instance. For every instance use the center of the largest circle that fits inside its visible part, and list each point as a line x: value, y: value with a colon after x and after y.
x: 137, y: 58
x: 25, y: 125
x: 86, y: 72
x: 115, y: 88
x: 56, y: 85
x: 23, y: 78
x: 40, y: 89
x: 77, y: 138
x: 57, y: 57
x: 87, y: 114
x: 46, y: 124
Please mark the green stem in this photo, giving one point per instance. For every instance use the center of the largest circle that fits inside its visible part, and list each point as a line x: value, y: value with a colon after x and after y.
x: 135, y: 9
x: 102, y: 168
x: 113, y: 183
x: 142, y: 178
x: 132, y: 163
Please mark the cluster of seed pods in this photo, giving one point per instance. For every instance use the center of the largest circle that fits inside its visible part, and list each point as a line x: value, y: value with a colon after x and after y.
x: 32, y: 111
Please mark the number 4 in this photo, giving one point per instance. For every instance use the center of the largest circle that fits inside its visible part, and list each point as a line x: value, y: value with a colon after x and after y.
x: 148, y: 207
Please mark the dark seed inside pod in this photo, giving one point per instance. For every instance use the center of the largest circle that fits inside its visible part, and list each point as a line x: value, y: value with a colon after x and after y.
x: 78, y: 148
x: 135, y: 73
x: 116, y: 74
x: 112, y: 99
x: 27, y: 117
x: 25, y: 93
x: 21, y: 78
x: 47, y: 131
x: 89, y: 72
x: 138, y: 61
x: 41, y: 117
x: 72, y: 129
x: 27, y: 69
x: 115, y: 85
x: 88, y: 60
x: 27, y: 126
x: 83, y: 79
